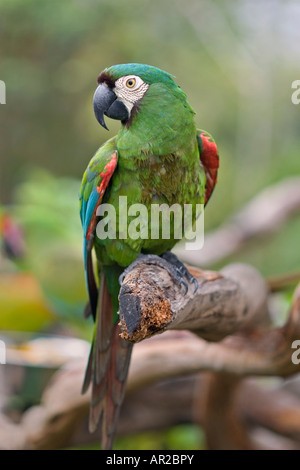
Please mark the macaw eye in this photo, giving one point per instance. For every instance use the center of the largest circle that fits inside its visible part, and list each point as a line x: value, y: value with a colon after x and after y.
x: 130, y: 88
x: 130, y: 83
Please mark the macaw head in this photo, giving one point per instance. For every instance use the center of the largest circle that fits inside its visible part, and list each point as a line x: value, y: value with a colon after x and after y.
x: 122, y: 88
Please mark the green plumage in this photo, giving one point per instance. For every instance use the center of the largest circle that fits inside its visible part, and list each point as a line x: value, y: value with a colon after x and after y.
x: 158, y: 162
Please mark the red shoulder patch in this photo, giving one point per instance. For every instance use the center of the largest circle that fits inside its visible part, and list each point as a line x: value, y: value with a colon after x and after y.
x: 105, y: 175
x: 209, y: 158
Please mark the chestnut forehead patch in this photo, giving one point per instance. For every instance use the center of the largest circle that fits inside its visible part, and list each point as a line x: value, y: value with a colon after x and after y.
x: 105, y: 77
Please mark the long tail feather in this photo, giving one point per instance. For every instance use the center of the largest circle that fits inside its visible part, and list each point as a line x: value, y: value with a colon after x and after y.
x: 107, y: 369
x: 91, y: 283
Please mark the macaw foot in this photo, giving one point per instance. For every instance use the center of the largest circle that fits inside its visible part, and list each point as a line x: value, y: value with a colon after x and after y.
x: 184, y: 276
x: 171, y: 263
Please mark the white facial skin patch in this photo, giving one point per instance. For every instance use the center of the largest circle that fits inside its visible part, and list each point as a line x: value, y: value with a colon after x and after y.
x: 130, y: 89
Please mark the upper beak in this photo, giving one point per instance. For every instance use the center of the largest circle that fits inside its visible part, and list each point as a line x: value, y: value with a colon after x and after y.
x: 106, y: 102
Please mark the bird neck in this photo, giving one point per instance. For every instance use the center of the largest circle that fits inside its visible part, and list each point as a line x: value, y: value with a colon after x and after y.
x: 163, y: 123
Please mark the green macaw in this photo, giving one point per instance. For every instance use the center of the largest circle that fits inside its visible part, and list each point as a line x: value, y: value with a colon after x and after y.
x: 158, y: 156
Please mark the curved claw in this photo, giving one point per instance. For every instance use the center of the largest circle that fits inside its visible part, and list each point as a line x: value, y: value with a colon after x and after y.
x: 121, y: 278
x: 185, y: 284
x: 195, y: 282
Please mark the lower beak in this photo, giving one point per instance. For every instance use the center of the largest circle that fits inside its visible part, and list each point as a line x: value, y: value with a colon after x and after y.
x: 106, y: 102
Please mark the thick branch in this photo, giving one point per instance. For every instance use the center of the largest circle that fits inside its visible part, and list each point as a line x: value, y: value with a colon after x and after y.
x: 221, y: 307
x: 224, y: 303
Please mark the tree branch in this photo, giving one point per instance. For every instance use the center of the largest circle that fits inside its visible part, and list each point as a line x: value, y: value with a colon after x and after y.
x: 224, y: 303
x: 61, y: 418
x: 229, y: 312
x: 222, y: 308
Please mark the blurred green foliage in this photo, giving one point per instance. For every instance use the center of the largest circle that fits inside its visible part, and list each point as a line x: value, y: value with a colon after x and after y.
x: 47, y: 208
x: 180, y: 437
x: 49, y: 277
x: 235, y: 59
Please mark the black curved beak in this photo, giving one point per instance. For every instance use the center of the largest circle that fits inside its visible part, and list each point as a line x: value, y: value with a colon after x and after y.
x: 106, y: 102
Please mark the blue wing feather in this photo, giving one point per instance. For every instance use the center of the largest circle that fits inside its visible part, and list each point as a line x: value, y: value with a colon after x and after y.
x: 89, y: 210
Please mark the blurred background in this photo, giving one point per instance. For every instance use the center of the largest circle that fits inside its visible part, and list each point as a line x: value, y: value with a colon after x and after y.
x: 235, y: 59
